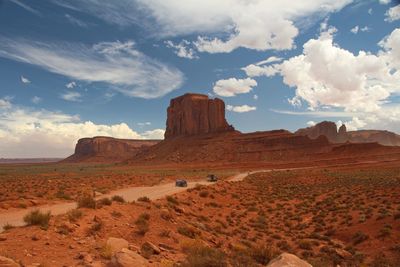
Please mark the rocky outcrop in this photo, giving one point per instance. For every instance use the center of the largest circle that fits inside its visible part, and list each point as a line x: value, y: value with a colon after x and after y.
x: 328, y: 129
x: 7, y: 262
x: 127, y: 258
x: 193, y: 114
x: 325, y: 128
x: 288, y: 260
x: 107, y: 149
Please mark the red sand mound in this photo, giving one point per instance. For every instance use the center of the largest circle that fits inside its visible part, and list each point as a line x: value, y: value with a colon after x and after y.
x: 107, y: 149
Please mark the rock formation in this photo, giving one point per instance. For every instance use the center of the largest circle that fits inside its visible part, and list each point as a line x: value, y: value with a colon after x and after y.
x: 107, y: 149
x: 288, y: 260
x: 328, y: 129
x: 325, y: 128
x: 193, y: 114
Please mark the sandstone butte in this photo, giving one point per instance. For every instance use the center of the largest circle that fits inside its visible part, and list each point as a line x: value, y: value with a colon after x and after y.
x: 197, y: 131
x: 193, y: 114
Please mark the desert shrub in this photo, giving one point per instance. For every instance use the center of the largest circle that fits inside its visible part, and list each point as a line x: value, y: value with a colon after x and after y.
x: 144, y: 199
x: 199, y: 255
x: 105, y: 202
x: 118, y: 199
x: 87, y: 201
x: 203, y: 193
x: 116, y: 214
x: 165, y: 233
x: 8, y: 226
x: 96, y: 227
x: 359, y: 237
x: 142, y: 223
x: 37, y: 217
x: 304, y: 244
x: 172, y: 200
x: 74, y: 215
x: 263, y: 254
x: 62, y: 195
x: 188, y: 231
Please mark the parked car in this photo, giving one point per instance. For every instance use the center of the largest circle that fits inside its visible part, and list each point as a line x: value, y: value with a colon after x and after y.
x: 181, y: 183
x: 212, y: 178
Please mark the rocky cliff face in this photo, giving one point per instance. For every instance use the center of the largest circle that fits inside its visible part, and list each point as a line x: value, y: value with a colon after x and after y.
x: 108, y: 149
x: 325, y: 128
x: 193, y: 114
x: 328, y: 129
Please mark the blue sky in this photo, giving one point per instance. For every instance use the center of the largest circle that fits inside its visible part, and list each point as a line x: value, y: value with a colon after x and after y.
x: 72, y: 69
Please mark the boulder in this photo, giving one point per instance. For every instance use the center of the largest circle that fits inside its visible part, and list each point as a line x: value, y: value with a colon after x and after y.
x: 117, y: 244
x: 193, y: 114
x: 7, y: 262
x: 127, y: 258
x: 288, y: 260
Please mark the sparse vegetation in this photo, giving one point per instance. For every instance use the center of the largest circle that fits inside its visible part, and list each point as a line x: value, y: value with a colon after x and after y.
x: 87, y: 201
x: 118, y: 199
x: 36, y: 217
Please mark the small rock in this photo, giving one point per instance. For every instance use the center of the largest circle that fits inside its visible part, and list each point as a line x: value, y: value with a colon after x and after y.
x: 116, y: 244
x: 127, y: 258
x: 3, y: 238
x: 148, y: 249
x: 7, y: 262
x: 288, y: 260
x: 35, y: 238
x: 343, y: 253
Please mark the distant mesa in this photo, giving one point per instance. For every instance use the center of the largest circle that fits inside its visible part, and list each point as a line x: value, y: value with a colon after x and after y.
x: 329, y: 129
x: 107, y: 149
x: 193, y: 114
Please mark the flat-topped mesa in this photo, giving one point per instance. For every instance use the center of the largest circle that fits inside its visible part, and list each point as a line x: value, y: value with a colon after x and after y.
x: 326, y: 128
x: 193, y: 114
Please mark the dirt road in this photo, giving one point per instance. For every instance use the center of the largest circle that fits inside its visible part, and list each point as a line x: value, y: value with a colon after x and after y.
x: 15, y: 218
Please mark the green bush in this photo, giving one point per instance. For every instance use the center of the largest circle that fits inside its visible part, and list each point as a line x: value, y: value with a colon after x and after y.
x: 37, y: 217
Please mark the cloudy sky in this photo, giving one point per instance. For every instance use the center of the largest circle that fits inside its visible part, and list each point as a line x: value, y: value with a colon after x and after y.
x: 80, y: 68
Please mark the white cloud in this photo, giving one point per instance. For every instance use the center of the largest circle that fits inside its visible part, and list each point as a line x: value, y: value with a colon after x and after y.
x: 233, y: 86
x: 70, y: 85
x: 71, y: 96
x: 26, y: 132
x: 253, y: 70
x: 355, y: 29
x: 384, y: 2
x: 393, y: 14
x: 255, y: 97
x: 153, y: 134
x: 147, y: 123
x: 26, y: 7
x: 370, y: 11
x: 76, y: 21
x: 36, y: 100
x: 222, y: 25
x: 118, y: 64
x: 4, y: 103
x: 240, y: 109
x: 182, y: 49
x: 25, y: 80
x: 311, y: 123
x: 269, y: 60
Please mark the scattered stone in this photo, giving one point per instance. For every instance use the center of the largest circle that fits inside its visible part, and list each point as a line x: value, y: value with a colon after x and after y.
x: 148, y: 249
x: 164, y: 247
x: 35, y: 238
x: 343, y: 253
x: 127, y: 258
x: 7, y: 262
x: 179, y: 209
x: 116, y: 244
x: 288, y: 260
x: 3, y: 238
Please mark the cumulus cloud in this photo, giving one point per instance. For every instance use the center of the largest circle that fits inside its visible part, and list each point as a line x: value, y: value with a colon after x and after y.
x: 26, y: 132
x: 393, y: 14
x: 311, y: 123
x: 182, y: 49
x: 233, y: 86
x: 25, y: 80
x: 240, y: 109
x: 357, y: 28
x: 141, y: 124
x: 118, y: 64
x: 222, y: 25
x: 72, y: 96
x: 361, y: 84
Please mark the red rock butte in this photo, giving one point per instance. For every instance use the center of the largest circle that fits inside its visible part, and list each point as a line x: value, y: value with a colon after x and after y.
x: 193, y: 114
